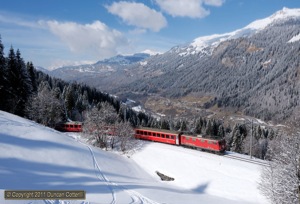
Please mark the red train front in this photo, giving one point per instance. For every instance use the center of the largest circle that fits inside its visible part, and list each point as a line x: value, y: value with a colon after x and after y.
x: 216, y: 145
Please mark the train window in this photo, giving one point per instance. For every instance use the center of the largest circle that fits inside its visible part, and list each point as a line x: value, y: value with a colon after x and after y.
x: 154, y: 134
x: 163, y: 135
x: 187, y: 138
x: 168, y: 136
x: 214, y: 142
x: 202, y: 141
x: 137, y: 132
x: 172, y: 137
x: 72, y: 126
x: 194, y: 139
x: 209, y: 142
x: 158, y: 135
x: 76, y: 126
x: 150, y: 133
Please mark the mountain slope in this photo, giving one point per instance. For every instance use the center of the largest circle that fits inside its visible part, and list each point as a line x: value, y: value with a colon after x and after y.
x: 212, y: 41
x: 253, y: 70
x: 257, y: 73
x: 100, y: 69
x: 34, y: 157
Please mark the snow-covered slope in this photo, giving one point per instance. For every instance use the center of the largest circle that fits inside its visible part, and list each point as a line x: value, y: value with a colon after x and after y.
x: 34, y: 157
x: 205, y: 44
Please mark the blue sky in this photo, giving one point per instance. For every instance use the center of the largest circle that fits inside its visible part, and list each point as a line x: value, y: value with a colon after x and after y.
x: 52, y: 33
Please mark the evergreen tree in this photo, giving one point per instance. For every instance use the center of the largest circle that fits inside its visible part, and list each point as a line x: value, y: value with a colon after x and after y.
x: 184, y: 125
x: 24, y: 86
x: 4, y: 85
x: 215, y: 128
x: 164, y: 124
x: 198, y: 126
x: 209, y: 130
x: 239, y: 133
x: 31, y: 73
x: 70, y: 100
x: 20, y: 84
x: 221, y: 132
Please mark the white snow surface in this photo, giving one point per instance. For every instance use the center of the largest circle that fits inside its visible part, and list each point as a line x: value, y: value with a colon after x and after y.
x: 151, y: 52
x: 34, y: 157
x: 144, y: 63
x: 295, y: 38
x: 200, y: 43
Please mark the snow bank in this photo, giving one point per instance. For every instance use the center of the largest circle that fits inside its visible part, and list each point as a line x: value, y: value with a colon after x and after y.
x: 202, y: 172
x: 34, y: 157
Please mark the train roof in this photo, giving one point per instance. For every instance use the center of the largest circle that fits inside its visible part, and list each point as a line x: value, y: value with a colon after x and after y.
x: 158, y: 130
x: 71, y: 123
x: 205, y: 137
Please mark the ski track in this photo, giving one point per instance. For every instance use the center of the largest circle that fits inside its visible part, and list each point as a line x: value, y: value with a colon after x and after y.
x: 135, y: 196
x: 59, y: 202
x: 101, y: 176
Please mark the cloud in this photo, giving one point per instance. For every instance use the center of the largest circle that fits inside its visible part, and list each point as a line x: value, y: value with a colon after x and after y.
x: 10, y: 18
x: 61, y: 63
x: 187, y: 8
x: 139, y: 15
x: 214, y: 2
x: 96, y: 38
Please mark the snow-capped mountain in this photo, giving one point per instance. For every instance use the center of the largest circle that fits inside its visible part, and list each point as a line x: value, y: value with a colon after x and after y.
x: 253, y: 69
x: 104, y: 67
x: 205, y: 44
x: 125, y: 59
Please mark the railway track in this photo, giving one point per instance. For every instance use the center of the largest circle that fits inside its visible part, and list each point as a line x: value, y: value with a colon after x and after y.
x: 253, y: 161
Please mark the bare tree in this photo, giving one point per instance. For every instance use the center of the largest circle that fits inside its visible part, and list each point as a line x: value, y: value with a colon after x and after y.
x: 125, y: 135
x: 280, y: 182
x: 46, y: 107
x: 99, y: 123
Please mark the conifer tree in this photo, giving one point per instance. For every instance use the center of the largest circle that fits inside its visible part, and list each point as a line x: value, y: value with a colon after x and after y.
x: 4, y: 85
x: 31, y: 73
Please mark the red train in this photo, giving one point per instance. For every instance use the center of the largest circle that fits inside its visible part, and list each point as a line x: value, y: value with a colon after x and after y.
x: 69, y: 127
x: 159, y: 135
x: 175, y: 138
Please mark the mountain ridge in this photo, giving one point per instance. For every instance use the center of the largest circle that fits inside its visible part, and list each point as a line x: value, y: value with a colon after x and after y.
x: 254, y: 70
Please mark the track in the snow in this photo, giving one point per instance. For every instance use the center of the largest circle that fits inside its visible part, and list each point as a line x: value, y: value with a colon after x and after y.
x: 253, y: 161
x: 136, y: 198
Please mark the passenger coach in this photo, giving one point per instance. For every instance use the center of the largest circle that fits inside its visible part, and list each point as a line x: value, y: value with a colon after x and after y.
x: 69, y: 127
x: 181, y: 139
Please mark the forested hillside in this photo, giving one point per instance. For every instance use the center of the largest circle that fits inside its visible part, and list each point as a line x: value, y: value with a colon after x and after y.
x: 33, y: 94
x: 258, y: 75
x: 254, y: 70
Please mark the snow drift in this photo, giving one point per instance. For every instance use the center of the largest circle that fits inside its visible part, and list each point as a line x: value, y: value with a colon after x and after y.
x: 34, y: 157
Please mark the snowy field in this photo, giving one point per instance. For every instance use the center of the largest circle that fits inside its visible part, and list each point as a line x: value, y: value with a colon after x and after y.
x: 34, y: 157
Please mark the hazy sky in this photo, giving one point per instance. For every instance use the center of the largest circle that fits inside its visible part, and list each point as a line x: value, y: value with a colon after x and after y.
x: 52, y: 33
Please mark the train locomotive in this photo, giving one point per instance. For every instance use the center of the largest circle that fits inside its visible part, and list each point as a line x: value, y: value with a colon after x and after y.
x: 181, y: 139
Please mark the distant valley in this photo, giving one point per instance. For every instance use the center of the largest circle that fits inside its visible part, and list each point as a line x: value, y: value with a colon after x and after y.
x: 253, y: 71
